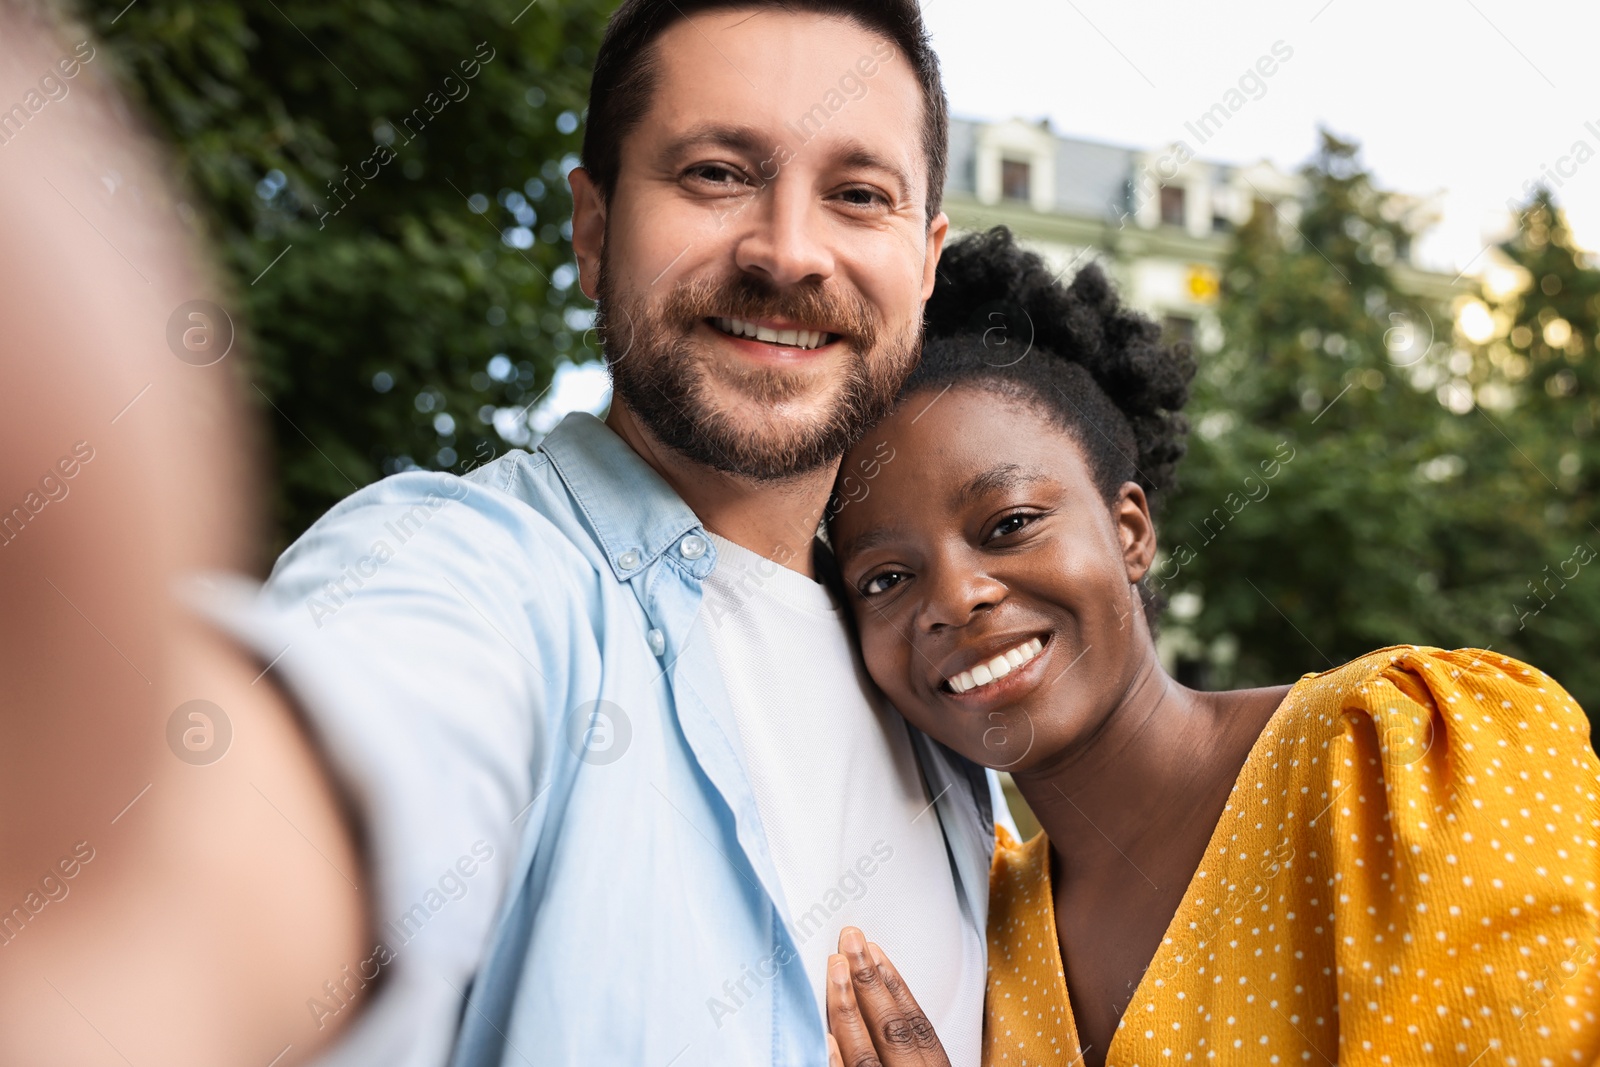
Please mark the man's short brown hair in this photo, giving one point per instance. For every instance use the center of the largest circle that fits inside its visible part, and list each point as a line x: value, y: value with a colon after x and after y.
x: 625, y: 73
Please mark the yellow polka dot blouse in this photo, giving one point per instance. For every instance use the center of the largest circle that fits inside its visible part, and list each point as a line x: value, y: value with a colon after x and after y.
x: 1404, y: 873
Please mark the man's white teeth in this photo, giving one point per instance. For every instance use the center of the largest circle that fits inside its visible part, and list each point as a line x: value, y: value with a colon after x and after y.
x: 793, y: 338
x: 999, y: 667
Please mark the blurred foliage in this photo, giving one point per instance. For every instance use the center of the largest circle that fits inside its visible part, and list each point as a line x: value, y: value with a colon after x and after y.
x: 1415, y: 508
x: 1546, y: 335
x: 385, y: 184
x: 401, y: 270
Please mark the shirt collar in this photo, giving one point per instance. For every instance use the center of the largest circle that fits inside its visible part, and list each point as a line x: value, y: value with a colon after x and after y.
x: 635, y: 514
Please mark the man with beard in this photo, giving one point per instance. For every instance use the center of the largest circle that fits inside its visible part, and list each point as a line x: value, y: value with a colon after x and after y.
x: 615, y: 773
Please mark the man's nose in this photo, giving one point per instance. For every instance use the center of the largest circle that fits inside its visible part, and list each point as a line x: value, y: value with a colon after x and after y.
x: 785, y: 238
x: 955, y: 594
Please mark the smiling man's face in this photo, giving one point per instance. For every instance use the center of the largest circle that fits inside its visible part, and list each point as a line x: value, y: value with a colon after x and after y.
x: 762, y: 264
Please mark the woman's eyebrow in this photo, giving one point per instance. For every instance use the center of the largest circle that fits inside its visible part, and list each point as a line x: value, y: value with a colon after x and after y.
x: 867, y: 539
x: 997, y: 479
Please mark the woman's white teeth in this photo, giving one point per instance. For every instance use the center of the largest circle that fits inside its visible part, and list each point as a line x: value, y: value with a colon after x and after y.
x: 794, y: 338
x: 999, y: 667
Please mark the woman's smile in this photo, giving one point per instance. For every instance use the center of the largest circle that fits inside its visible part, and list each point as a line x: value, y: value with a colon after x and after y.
x: 987, y: 673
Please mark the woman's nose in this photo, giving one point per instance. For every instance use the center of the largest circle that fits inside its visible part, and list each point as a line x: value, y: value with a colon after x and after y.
x: 955, y: 594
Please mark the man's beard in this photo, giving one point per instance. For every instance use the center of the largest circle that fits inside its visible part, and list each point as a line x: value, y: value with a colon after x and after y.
x: 665, y: 376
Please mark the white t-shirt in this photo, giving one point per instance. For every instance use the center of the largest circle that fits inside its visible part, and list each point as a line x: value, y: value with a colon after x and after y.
x: 848, y: 819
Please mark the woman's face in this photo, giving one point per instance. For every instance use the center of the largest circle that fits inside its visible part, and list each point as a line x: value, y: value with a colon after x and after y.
x: 993, y: 586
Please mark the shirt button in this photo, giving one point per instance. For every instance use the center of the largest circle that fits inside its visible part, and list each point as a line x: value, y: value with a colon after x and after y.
x: 693, y: 547
x: 657, y: 640
x: 628, y: 560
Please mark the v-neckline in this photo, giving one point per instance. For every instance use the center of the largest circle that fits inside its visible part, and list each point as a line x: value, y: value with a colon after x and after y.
x: 1186, y: 904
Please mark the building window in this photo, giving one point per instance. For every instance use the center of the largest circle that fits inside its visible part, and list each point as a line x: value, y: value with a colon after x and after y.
x: 1014, y: 180
x: 1172, y: 205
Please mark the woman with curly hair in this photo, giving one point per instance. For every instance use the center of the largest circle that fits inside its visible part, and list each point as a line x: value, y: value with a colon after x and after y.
x: 1389, y: 862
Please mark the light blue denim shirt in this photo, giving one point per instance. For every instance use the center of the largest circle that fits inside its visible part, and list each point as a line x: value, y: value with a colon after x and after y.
x: 506, y: 673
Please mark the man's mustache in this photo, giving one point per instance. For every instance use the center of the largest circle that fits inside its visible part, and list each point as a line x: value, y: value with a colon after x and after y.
x: 811, y: 306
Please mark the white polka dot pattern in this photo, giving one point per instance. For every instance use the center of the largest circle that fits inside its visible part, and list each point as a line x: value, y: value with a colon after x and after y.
x: 1405, y: 872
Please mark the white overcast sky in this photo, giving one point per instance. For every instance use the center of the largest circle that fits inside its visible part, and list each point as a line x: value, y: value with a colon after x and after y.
x: 1473, y: 97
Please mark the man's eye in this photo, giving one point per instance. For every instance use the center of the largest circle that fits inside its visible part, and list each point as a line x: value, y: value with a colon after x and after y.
x: 716, y: 174
x: 1010, y: 525
x: 882, y: 583
x: 864, y: 197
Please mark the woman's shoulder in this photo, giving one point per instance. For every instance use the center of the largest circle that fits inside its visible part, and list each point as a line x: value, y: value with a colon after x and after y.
x: 1412, y: 694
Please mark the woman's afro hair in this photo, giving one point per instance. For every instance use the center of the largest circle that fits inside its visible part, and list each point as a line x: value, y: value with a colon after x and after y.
x: 1001, y: 319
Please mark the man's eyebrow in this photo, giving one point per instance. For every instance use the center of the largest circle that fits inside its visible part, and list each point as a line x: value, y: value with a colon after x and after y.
x: 742, y: 139
x: 856, y: 155
x: 996, y: 479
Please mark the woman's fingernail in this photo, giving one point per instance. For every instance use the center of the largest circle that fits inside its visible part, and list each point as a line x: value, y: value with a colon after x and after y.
x: 838, y: 970
x: 851, y: 941
x: 876, y: 953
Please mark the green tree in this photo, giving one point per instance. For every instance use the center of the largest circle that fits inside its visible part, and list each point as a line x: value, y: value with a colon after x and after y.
x: 1552, y: 326
x: 385, y: 184
x: 1546, y: 337
x: 1344, y: 490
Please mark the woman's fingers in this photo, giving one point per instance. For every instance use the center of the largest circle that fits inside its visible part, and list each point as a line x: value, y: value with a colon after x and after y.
x: 848, y: 1036
x: 900, y: 1033
x: 919, y: 1029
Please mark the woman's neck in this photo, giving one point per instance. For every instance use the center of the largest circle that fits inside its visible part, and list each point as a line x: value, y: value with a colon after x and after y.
x: 1131, y: 791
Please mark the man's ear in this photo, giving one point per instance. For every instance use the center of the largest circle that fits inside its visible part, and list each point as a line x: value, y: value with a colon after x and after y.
x: 937, y: 230
x: 1136, y: 530
x: 588, y: 229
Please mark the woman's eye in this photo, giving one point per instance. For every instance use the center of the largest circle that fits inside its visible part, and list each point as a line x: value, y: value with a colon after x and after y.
x: 1010, y: 525
x: 881, y: 583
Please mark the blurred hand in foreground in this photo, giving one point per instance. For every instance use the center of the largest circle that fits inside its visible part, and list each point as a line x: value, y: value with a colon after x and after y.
x: 175, y: 887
